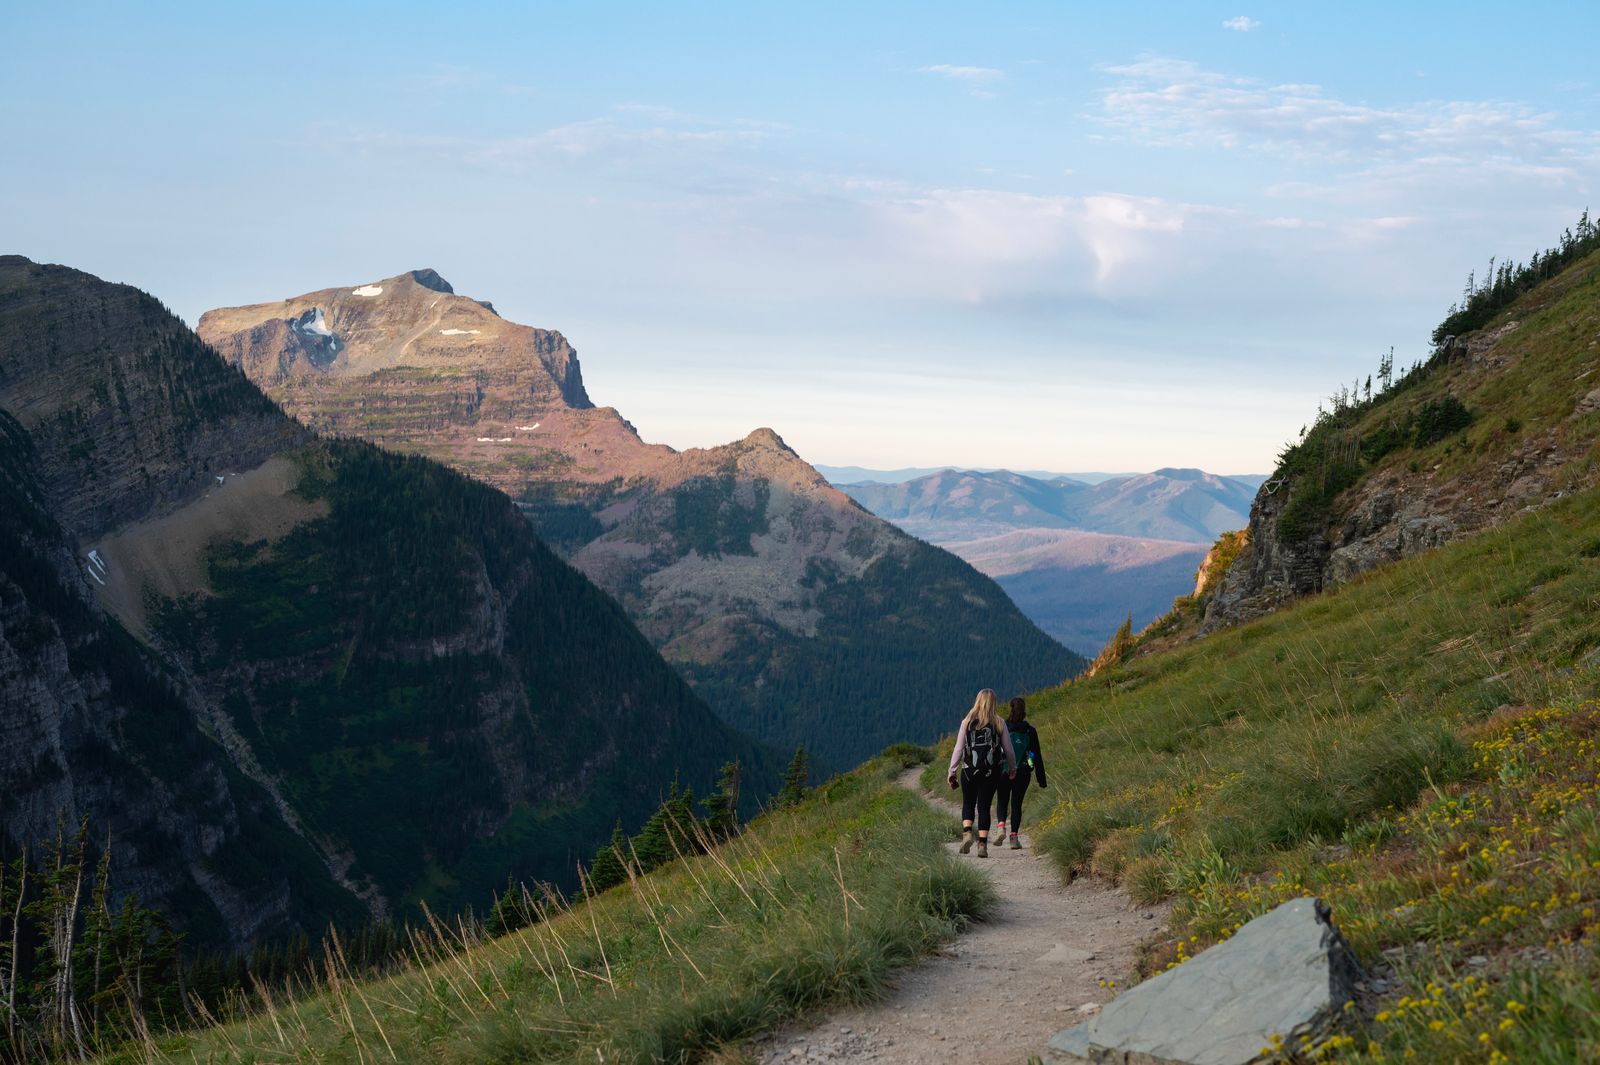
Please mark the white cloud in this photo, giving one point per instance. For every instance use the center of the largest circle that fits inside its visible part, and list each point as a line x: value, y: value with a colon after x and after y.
x: 1176, y: 102
x: 641, y: 134
x: 636, y: 134
x: 967, y: 74
x: 1241, y: 24
x: 977, y: 79
x: 984, y: 246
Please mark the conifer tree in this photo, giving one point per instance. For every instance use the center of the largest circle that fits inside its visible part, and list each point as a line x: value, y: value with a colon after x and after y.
x: 795, y: 779
x: 722, y: 805
x: 607, y: 869
x: 13, y: 895
x: 653, y: 846
x: 513, y: 909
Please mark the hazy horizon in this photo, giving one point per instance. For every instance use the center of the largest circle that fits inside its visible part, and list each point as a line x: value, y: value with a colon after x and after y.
x: 1024, y: 237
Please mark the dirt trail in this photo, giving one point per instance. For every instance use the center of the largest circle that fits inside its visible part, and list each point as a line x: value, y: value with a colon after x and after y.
x: 1000, y: 990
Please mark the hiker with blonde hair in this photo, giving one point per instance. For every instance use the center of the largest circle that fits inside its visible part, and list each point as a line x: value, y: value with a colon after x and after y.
x: 981, y: 757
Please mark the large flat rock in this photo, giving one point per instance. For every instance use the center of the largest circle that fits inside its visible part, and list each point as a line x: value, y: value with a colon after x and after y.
x: 1286, y: 973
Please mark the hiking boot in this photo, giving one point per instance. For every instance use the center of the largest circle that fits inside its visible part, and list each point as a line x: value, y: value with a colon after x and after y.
x: 983, y: 848
x: 1000, y: 830
x: 966, y: 841
x: 1016, y: 844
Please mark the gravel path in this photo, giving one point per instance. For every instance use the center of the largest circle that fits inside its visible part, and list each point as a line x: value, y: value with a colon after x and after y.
x: 999, y: 991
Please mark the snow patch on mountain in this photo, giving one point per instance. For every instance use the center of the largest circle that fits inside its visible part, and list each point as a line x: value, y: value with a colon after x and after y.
x: 313, y: 322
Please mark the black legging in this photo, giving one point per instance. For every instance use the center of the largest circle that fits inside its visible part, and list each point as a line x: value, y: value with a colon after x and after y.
x: 1010, y: 794
x: 977, y: 793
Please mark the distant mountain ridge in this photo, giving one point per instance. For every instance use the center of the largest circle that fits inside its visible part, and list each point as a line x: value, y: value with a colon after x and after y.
x: 776, y: 595
x: 1079, y: 586
x: 294, y: 681
x: 1170, y: 504
x: 1077, y: 558
x: 843, y: 475
x: 846, y: 475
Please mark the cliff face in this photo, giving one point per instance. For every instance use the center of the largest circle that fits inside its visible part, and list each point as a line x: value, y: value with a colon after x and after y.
x: 295, y: 681
x: 768, y: 587
x: 125, y: 415
x: 1496, y: 423
x: 105, y: 417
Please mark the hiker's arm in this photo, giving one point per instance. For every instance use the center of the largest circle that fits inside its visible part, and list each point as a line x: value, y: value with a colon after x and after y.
x: 1038, y: 759
x: 959, y: 750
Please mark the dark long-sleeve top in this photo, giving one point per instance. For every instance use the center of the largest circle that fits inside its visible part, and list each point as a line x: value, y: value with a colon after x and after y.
x: 961, y: 747
x: 1021, y: 729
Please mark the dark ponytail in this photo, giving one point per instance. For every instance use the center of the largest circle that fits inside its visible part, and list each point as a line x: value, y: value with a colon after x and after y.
x: 1019, y: 710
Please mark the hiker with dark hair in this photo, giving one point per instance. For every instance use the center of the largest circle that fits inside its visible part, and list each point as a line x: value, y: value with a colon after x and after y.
x: 981, y: 760
x: 1030, y: 760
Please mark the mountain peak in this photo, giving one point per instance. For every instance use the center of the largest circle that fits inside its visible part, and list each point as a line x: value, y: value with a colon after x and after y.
x: 766, y: 438
x: 1180, y: 473
x: 429, y: 278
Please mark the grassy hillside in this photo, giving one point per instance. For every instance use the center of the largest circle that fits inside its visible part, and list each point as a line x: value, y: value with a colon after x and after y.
x: 811, y: 905
x: 1417, y: 747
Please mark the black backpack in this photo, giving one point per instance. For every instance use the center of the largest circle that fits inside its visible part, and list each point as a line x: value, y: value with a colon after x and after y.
x: 985, y: 752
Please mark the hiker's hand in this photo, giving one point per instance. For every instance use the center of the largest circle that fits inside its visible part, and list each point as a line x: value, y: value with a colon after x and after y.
x: 1012, y: 775
x: 953, y: 784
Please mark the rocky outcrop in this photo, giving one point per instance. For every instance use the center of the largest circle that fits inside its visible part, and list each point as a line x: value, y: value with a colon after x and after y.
x: 1270, y: 570
x: 767, y: 586
x: 1395, y: 513
x: 1420, y: 496
x: 1283, y: 976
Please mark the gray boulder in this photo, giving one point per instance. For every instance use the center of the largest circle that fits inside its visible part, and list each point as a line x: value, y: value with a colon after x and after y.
x: 1287, y: 973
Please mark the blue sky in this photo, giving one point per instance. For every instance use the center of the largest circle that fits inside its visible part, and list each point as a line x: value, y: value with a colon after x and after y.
x: 1043, y: 236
